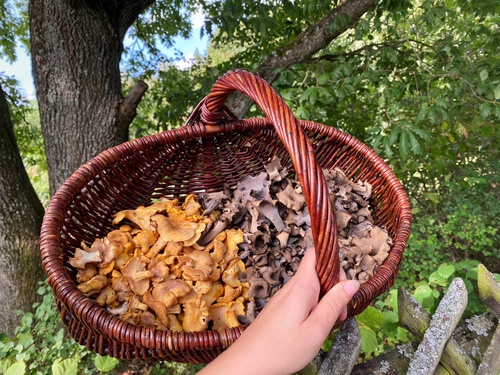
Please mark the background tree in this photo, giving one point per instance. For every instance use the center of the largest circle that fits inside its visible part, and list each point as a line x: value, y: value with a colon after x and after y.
x: 76, y: 48
x: 20, y: 220
x: 416, y: 80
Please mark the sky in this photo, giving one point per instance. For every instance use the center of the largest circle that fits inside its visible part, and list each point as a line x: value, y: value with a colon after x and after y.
x: 21, y: 68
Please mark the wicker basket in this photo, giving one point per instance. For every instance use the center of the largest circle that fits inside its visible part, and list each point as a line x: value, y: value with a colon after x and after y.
x: 213, y: 149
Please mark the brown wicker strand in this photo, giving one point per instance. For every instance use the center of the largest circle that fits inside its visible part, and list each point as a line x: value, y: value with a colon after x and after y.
x: 298, y: 146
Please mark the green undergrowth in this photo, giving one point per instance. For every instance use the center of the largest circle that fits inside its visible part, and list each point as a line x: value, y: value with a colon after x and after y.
x: 430, y: 264
x: 379, y: 323
x: 41, y: 346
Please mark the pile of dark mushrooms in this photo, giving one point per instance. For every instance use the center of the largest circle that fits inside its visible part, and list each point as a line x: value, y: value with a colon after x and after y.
x: 271, y: 211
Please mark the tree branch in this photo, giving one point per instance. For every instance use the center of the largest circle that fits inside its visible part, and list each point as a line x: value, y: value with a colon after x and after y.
x: 309, y: 42
x: 129, y: 11
x: 366, y: 48
x: 128, y: 107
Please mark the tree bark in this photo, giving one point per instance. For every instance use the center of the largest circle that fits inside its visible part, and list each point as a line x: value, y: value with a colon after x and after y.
x: 21, y: 215
x: 416, y: 319
x: 474, y: 343
x: 489, y: 289
x: 441, y: 327
x: 76, y: 48
x: 312, y: 40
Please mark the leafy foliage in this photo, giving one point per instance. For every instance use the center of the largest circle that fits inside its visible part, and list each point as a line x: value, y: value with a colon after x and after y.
x: 105, y: 364
x: 24, y: 116
x: 13, y: 27
x: 171, y: 98
x: 254, y: 24
x: 40, y: 343
x: 416, y: 80
x: 393, y: 82
x: 163, y: 21
x: 41, y: 346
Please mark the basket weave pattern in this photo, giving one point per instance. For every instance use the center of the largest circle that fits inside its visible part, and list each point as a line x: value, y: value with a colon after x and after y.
x: 213, y: 149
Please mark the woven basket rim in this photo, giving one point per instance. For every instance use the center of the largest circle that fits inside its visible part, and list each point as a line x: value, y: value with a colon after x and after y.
x: 67, y: 291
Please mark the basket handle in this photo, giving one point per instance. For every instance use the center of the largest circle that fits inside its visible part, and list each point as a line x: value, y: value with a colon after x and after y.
x: 299, y: 147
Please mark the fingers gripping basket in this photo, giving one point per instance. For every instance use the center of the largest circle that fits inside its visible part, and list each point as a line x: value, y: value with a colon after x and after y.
x: 213, y: 149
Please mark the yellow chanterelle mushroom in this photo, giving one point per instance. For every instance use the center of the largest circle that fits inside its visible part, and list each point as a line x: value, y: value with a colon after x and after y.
x: 153, y: 272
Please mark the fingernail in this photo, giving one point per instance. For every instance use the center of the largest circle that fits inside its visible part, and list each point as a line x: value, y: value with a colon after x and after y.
x: 351, y: 287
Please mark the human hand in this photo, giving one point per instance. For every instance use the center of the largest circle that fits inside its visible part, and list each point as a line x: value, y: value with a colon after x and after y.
x: 290, y: 330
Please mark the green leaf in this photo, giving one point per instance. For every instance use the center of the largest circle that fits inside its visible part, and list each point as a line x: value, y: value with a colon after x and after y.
x: 340, y: 93
x: 4, y: 364
x: 472, y: 273
x: 487, y: 130
x: 497, y: 92
x: 390, y: 316
x: 446, y: 270
x: 105, y: 364
x: 433, y: 197
x: 436, y: 293
x: 371, y: 317
x: 323, y: 79
x: 394, y: 134
x: 313, y: 95
x: 469, y: 286
x: 483, y: 75
x: 302, y: 113
x: 422, y: 113
x: 67, y: 366
x: 402, y: 335
x: 404, y: 145
x: 393, y: 299
x: 387, y: 147
x: 441, y: 102
x: 485, y: 110
x: 422, y: 133
x: 368, y: 339
x: 433, y: 115
x: 423, y: 294
x: 415, y: 144
x: 26, y: 320
x: 17, y: 368
x: 436, y: 279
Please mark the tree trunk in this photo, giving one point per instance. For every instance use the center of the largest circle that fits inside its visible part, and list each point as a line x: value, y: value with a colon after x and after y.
x: 21, y: 215
x: 76, y: 50
x: 76, y: 47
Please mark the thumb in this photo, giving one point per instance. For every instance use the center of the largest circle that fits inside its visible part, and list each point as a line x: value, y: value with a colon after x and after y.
x: 328, y: 310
